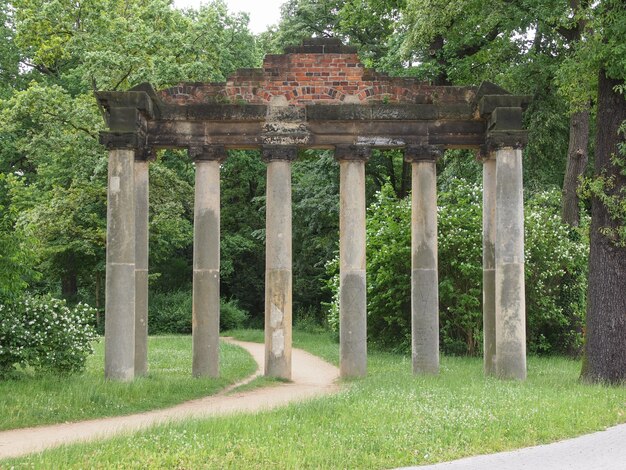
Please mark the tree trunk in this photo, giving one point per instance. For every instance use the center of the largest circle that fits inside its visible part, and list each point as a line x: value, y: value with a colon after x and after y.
x: 605, y: 342
x: 405, y: 183
x: 69, y: 286
x: 97, y: 300
x: 576, y: 163
x: 436, y: 52
x: 97, y: 296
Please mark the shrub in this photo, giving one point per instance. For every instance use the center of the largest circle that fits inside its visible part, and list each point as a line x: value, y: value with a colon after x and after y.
x: 388, y: 279
x: 170, y: 313
x: 556, y: 276
x: 460, y: 266
x: 232, y: 316
x: 307, y: 319
x: 556, y: 259
x: 45, y: 334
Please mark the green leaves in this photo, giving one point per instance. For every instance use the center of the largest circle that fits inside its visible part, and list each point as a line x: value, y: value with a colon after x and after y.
x: 556, y: 260
x: 45, y: 334
x: 55, y: 168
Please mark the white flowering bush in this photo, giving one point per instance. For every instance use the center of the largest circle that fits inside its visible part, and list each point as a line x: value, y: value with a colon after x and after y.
x: 45, y: 334
x: 556, y: 276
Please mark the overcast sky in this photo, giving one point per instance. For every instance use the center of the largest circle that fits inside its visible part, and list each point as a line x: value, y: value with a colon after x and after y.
x: 263, y: 13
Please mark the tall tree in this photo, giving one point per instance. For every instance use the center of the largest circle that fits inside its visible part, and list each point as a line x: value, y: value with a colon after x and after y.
x: 370, y: 25
x: 571, y: 27
x: 59, y: 52
x: 605, y: 346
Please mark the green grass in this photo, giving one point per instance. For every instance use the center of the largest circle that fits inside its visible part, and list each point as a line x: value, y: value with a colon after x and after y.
x: 321, y: 344
x: 387, y: 419
x: 32, y: 400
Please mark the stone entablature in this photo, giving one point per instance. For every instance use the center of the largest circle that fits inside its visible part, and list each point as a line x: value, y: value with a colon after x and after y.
x: 320, y: 71
x: 317, y: 95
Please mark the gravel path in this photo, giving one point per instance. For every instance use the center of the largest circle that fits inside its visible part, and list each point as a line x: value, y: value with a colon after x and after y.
x: 311, y: 377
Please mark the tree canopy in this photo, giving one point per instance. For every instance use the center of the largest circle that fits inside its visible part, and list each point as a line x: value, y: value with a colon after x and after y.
x: 569, y: 55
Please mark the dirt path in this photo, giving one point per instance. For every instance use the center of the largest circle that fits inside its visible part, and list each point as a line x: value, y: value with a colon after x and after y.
x: 311, y: 377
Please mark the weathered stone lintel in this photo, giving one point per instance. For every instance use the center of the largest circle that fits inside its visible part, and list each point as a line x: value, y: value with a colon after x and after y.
x: 278, y: 152
x: 215, y: 112
x: 483, y: 154
x: 145, y: 154
x: 488, y: 88
x: 125, y: 119
x: 389, y: 112
x: 489, y: 103
x: 128, y: 140
x: 496, y: 140
x: 316, y: 112
x: 121, y: 140
x: 419, y: 153
x: 208, y: 153
x: 505, y: 119
x: 136, y: 100
x: 316, y: 134
x: 286, y: 114
x: 353, y: 152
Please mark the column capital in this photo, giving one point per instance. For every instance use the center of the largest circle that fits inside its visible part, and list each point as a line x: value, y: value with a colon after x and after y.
x: 422, y: 153
x: 278, y: 152
x: 208, y: 153
x: 120, y: 140
x: 353, y: 152
x: 498, y: 140
x: 145, y: 154
x: 484, y: 154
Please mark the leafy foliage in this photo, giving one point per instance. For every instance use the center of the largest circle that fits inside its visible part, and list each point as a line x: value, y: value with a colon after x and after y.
x: 556, y: 276
x: 556, y: 259
x: 45, y: 334
x: 243, y: 230
x: 170, y: 313
x: 612, y: 195
x: 54, y: 167
x: 17, y: 256
x: 389, y: 282
x: 315, y: 183
x: 460, y: 266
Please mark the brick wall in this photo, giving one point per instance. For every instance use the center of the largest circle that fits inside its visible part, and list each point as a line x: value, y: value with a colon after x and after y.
x: 319, y: 71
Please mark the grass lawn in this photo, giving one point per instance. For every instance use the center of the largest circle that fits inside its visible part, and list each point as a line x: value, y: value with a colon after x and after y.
x: 387, y: 419
x: 28, y: 401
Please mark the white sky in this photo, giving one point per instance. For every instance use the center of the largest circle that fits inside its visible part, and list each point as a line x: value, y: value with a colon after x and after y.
x: 263, y: 13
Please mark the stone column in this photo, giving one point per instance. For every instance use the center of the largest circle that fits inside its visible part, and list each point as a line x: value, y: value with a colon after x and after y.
x: 489, y: 263
x: 509, y: 261
x: 278, y: 282
x: 206, y: 261
x: 119, y: 327
x: 141, y: 263
x: 424, y: 276
x: 352, y: 283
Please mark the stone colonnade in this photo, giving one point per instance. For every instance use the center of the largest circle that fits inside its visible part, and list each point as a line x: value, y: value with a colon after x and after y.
x: 127, y: 261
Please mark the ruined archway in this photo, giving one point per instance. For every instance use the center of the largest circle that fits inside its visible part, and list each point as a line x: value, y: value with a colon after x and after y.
x: 317, y: 95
